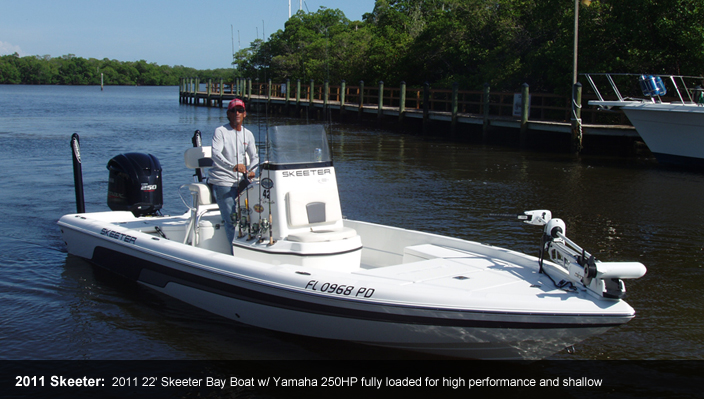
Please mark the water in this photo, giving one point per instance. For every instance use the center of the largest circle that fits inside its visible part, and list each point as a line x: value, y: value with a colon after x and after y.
x: 55, y: 306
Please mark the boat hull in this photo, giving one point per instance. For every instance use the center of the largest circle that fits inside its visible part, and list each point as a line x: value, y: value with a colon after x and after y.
x: 674, y: 134
x: 370, y: 310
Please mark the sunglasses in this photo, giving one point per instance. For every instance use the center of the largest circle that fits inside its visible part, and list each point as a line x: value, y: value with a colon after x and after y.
x: 237, y: 109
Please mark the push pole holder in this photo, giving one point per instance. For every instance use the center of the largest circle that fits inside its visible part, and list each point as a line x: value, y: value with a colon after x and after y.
x: 78, y: 173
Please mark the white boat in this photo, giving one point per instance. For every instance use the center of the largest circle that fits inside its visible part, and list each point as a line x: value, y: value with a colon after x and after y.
x: 672, y: 130
x: 299, y: 267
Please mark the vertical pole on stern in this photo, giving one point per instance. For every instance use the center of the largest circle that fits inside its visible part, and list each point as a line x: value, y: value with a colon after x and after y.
x: 78, y: 173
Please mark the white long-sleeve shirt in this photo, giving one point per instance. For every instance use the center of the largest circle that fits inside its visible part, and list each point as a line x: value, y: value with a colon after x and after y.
x: 229, y: 148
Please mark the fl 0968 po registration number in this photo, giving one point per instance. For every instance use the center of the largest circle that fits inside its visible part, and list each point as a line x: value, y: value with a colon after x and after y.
x: 340, y: 289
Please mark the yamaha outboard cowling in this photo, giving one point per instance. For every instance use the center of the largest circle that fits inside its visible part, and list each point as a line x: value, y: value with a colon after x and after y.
x: 135, y: 184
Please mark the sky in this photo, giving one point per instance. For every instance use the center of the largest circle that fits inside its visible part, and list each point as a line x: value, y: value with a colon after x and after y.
x: 197, y: 34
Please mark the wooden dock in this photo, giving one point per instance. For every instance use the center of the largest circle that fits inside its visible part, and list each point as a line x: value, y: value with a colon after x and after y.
x: 541, y: 113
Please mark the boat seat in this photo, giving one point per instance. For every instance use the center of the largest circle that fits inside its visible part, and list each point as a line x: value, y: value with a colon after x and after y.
x: 319, y: 213
x: 307, y: 208
x: 202, y: 192
x: 198, y: 158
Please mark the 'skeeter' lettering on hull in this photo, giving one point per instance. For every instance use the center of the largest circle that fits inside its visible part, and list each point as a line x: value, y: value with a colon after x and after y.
x: 118, y: 236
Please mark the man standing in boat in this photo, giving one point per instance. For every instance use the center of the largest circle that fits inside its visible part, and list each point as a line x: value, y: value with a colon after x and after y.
x: 230, y: 144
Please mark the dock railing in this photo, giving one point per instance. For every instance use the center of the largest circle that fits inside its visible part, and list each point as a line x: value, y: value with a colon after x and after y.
x: 543, y: 106
x: 543, y: 111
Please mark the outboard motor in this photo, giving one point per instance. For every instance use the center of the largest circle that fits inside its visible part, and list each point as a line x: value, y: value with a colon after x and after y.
x: 135, y: 184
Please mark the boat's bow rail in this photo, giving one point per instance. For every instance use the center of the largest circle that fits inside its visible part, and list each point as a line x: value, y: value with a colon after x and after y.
x: 684, y: 90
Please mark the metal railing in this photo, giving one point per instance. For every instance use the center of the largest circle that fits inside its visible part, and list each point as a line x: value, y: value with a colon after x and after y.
x: 653, y: 86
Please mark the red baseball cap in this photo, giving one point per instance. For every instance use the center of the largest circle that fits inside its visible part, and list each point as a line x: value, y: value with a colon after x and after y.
x: 235, y: 103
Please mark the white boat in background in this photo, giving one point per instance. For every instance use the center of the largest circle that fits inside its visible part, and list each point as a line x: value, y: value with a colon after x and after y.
x: 299, y: 267
x: 672, y: 130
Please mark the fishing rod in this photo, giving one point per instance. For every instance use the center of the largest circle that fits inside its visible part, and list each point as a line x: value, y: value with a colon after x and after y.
x: 259, y: 132
x: 246, y: 200
x: 240, y: 216
x: 267, y: 192
x: 248, y: 213
x: 265, y: 225
x: 259, y: 225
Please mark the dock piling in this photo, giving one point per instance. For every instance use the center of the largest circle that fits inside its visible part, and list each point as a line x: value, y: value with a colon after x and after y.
x: 298, y: 97
x: 249, y: 89
x: 222, y: 92
x: 402, y: 102
x: 426, y: 107
x: 326, y: 95
x: 209, y: 90
x: 486, y: 98
x: 268, y: 96
x: 343, y: 92
x: 455, y: 91
x: 525, y: 113
x: 576, y: 141
x: 380, y: 108
x: 361, y: 98
x: 288, y: 93
x: 311, y: 97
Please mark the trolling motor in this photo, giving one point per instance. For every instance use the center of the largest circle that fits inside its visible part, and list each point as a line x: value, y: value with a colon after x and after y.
x: 602, y: 279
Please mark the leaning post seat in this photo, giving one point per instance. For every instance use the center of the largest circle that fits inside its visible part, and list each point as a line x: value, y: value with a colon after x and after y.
x: 315, y: 216
x: 202, y: 192
x: 198, y: 158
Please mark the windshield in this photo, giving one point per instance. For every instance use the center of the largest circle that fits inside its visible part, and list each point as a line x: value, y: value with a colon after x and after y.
x: 296, y: 144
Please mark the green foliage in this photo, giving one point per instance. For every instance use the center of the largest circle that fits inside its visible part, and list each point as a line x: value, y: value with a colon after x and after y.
x: 321, y: 46
x: 501, y: 42
x: 72, y: 70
